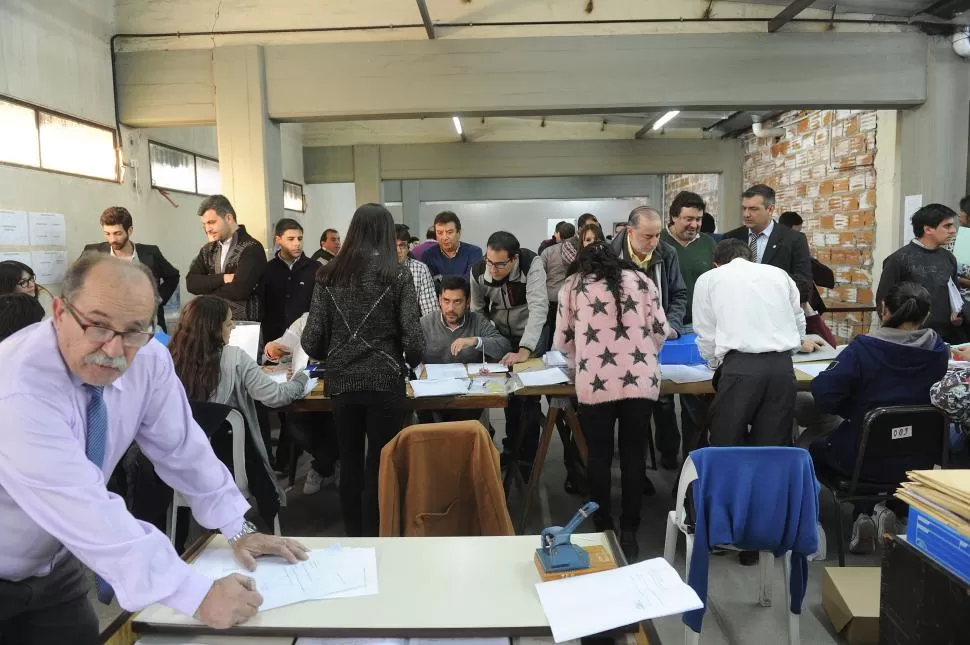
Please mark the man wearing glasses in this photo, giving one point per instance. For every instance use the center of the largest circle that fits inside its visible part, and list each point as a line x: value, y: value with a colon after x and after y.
x: 75, y: 392
x: 509, y: 288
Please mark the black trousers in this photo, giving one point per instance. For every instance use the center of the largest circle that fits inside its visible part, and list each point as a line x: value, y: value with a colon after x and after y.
x: 313, y: 432
x: 754, y: 400
x: 522, y: 417
x: 666, y: 434
x: 599, y: 422
x: 49, y: 609
x: 448, y: 416
x: 376, y: 417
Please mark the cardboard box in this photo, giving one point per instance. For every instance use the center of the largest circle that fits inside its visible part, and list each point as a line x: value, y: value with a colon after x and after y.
x: 850, y: 598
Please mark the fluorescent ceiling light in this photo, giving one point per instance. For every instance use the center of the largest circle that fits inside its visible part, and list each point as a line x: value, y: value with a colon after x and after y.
x: 665, y: 119
x: 457, y: 123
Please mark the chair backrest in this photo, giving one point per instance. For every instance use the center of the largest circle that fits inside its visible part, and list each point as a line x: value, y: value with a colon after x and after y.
x: 220, y: 422
x: 913, y: 435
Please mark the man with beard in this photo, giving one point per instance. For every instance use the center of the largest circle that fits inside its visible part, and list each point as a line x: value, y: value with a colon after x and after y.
x: 117, y: 226
x: 77, y: 390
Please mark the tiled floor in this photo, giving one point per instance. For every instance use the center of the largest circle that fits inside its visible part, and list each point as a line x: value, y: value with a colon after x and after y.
x: 733, y: 615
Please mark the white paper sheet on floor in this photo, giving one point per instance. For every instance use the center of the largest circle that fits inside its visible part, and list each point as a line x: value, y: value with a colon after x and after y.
x: 598, y: 602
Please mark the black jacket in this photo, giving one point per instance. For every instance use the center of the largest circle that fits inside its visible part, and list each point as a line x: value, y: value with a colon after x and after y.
x: 664, y: 270
x: 246, y: 261
x: 166, y: 276
x: 787, y: 250
x: 286, y: 294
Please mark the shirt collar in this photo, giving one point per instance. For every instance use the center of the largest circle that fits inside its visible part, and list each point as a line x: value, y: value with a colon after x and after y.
x: 678, y: 241
x: 766, y: 232
x: 133, y: 257
x: 633, y: 257
x: 444, y: 323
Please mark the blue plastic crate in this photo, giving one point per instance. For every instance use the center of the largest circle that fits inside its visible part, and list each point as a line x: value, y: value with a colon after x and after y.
x: 682, y: 351
x: 943, y: 544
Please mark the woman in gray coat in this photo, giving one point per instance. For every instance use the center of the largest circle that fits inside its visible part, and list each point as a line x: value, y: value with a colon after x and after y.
x: 212, y: 370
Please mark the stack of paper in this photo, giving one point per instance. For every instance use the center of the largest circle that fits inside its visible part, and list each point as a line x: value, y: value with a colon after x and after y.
x: 554, y: 358
x: 441, y: 387
x: 598, y: 602
x: 437, y: 372
x: 826, y: 353
x: 551, y: 376
x: 328, y: 573
x: 813, y: 369
x: 686, y: 373
x: 474, y: 369
x: 939, y: 514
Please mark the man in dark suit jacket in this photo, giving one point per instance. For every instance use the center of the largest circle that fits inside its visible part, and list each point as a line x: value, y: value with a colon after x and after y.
x: 117, y: 225
x: 770, y: 242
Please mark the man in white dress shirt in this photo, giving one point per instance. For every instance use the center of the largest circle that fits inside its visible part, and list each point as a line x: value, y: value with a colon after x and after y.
x: 748, y: 318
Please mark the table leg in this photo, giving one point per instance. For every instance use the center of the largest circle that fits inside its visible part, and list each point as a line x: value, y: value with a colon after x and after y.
x: 548, y: 428
x: 577, y: 430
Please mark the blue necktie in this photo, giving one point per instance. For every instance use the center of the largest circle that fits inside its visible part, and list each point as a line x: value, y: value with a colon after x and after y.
x: 95, y: 442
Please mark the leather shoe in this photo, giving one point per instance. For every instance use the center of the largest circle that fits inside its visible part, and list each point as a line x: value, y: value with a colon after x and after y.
x: 630, y: 546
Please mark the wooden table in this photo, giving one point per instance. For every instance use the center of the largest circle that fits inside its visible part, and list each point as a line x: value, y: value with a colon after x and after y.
x: 318, y: 401
x: 452, y: 587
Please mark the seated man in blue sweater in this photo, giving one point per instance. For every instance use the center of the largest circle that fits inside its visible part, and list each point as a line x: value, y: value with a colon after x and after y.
x: 451, y: 256
x: 893, y: 365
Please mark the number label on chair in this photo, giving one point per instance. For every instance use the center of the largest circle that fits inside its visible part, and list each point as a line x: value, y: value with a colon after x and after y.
x: 904, y: 432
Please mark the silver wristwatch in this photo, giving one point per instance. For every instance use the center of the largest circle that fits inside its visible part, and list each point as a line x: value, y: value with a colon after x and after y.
x: 247, y: 529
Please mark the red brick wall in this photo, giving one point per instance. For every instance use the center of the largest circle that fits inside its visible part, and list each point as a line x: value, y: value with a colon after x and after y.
x: 704, y: 185
x: 824, y: 168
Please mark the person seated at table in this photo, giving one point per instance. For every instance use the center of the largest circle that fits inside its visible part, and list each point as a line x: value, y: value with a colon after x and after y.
x: 509, y: 288
x: 18, y: 310
x: 611, y: 330
x: 814, y: 324
x: 952, y: 395
x: 895, y: 364
x: 17, y: 277
x: 212, y: 370
x: 364, y: 324
x: 456, y: 335
x: 313, y: 432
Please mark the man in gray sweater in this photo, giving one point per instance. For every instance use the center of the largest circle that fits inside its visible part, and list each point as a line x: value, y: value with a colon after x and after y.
x: 456, y: 335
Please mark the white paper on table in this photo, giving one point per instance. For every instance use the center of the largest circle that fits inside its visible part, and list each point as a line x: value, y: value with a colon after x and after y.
x: 550, y: 376
x: 310, y: 384
x: 49, y: 266
x: 825, y: 353
x: 438, y: 371
x: 324, y: 573
x: 351, y: 641
x: 475, y: 369
x: 461, y: 641
x: 686, y: 373
x: 489, y: 385
x: 366, y: 558
x: 598, y: 602
x: 441, y: 387
x: 554, y: 358
x: 245, y: 336
x: 14, y: 230
x: 47, y: 229
x: 813, y: 369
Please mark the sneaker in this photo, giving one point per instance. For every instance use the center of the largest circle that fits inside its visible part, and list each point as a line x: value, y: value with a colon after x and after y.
x: 885, y: 520
x: 863, y: 535
x: 314, y: 482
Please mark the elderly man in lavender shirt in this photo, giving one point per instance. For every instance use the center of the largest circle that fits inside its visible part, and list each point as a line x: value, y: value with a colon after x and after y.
x: 75, y: 391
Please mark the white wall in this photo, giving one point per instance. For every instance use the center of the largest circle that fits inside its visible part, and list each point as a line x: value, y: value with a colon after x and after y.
x: 526, y: 219
x: 328, y: 206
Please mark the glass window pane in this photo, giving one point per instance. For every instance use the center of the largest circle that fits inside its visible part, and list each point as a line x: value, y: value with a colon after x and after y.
x: 78, y: 148
x: 18, y: 135
x: 293, y: 197
x: 207, y: 176
x: 171, y: 168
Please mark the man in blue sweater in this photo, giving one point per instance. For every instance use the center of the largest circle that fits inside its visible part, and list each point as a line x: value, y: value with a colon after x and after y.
x: 451, y: 256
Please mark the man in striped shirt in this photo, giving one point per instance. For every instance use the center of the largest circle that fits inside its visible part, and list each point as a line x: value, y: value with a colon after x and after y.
x: 423, y: 283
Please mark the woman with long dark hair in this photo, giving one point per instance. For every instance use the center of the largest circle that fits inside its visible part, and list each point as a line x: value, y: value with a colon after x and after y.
x: 611, y: 330
x: 17, y: 277
x: 212, y: 370
x: 364, y: 325
x: 895, y: 364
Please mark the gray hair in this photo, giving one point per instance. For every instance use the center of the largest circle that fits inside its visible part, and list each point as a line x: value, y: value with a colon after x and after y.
x: 74, y: 278
x: 641, y: 212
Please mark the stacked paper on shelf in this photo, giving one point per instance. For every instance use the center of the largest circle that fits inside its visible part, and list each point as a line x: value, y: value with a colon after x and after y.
x: 939, y: 516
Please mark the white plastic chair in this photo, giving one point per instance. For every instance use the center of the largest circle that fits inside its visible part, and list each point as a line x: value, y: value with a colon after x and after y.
x: 677, y: 521
x: 238, y: 431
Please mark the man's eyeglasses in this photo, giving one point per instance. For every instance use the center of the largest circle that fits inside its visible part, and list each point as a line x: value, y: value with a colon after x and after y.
x: 498, y: 265
x: 102, y: 335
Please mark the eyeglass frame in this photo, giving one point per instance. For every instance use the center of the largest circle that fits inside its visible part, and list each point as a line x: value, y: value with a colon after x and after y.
x: 148, y: 334
x: 500, y: 265
x: 23, y: 282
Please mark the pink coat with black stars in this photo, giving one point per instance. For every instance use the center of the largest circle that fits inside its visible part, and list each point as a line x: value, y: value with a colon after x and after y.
x: 613, y: 360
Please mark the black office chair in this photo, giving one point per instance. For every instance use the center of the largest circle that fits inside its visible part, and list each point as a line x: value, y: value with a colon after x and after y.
x: 914, y: 435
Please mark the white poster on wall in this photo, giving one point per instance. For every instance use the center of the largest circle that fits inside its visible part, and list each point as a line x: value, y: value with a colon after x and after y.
x: 13, y: 228
x: 17, y: 256
x: 911, y: 204
x: 47, y: 229
x: 49, y: 266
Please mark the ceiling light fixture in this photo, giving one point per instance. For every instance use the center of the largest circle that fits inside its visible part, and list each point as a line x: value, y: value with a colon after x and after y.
x: 457, y: 123
x: 665, y: 119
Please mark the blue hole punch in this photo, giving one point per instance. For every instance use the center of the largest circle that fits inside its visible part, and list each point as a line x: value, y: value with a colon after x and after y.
x: 556, y: 552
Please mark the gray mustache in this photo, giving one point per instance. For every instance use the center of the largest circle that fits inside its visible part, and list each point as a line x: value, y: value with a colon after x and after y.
x: 119, y: 363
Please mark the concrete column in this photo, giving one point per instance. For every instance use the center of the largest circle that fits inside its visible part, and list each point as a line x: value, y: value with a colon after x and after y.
x: 729, y: 188
x: 933, y: 139
x: 250, y: 149
x: 411, y: 206
x: 367, y: 174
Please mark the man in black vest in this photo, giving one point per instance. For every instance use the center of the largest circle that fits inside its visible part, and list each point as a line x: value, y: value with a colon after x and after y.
x: 231, y: 265
x: 287, y: 281
x: 117, y: 225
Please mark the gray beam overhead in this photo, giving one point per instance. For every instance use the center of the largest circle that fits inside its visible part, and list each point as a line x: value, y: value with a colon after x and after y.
x: 426, y: 19
x: 788, y: 13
